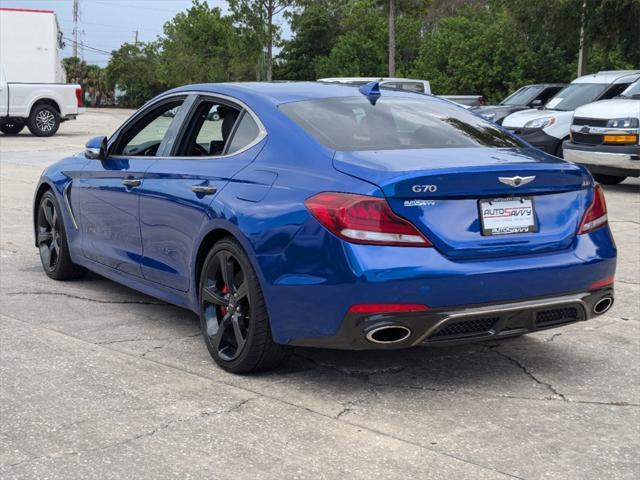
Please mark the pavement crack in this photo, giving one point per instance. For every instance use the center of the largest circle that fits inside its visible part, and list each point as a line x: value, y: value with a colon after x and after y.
x: 530, y: 374
x: 87, y: 299
x: 147, y: 434
x: 552, y: 337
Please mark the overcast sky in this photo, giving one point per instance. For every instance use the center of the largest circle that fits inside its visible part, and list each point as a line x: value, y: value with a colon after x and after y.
x: 107, y: 24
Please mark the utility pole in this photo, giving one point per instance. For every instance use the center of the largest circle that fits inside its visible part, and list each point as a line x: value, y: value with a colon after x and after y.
x: 135, y: 42
x: 582, y: 54
x: 392, y: 38
x: 76, y: 19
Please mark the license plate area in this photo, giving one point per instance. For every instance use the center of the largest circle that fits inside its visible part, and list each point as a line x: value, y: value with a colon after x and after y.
x: 507, y: 216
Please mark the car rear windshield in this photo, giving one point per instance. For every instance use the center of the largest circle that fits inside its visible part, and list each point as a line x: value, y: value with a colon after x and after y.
x: 353, y: 123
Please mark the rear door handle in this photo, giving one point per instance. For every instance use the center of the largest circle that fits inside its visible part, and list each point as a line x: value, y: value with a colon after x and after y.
x: 204, y: 189
x: 132, y: 182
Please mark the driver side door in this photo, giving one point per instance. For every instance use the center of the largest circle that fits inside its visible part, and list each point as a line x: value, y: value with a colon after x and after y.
x: 108, y: 190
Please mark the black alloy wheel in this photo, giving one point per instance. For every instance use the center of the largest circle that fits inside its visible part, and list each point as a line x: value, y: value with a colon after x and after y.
x: 52, y: 242
x: 233, y: 314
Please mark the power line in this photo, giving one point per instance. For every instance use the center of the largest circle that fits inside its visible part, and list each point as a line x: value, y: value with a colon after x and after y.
x: 94, y: 49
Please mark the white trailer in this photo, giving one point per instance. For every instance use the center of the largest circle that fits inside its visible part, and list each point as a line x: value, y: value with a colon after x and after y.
x: 31, y: 46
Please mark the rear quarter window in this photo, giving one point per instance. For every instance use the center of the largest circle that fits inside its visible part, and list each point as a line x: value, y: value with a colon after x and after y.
x: 353, y: 123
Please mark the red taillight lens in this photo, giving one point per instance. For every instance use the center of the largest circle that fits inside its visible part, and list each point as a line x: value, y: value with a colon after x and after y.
x: 596, y: 215
x: 481, y: 100
x: 363, y: 219
x: 79, y: 97
x: 605, y: 282
x: 387, y: 308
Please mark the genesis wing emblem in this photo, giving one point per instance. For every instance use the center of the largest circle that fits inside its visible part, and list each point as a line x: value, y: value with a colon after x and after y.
x: 516, y: 181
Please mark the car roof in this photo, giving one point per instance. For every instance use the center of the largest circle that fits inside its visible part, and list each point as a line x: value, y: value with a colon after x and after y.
x: 368, y: 79
x: 282, y: 92
x: 609, y: 77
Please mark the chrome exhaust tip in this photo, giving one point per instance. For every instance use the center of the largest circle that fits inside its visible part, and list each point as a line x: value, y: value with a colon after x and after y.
x: 387, y: 334
x: 603, y: 305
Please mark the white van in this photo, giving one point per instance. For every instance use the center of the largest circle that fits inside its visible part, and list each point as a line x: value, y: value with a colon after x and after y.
x: 605, y: 137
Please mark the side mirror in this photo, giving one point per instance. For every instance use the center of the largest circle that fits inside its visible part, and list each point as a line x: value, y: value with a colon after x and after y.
x: 96, y: 148
x: 536, y: 103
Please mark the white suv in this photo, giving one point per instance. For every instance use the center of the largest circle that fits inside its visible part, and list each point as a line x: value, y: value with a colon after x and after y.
x: 546, y: 128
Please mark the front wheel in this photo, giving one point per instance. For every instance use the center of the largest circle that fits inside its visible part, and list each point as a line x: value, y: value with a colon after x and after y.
x: 44, y: 120
x: 11, y: 128
x: 608, y: 179
x: 52, y: 242
x: 233, y: 314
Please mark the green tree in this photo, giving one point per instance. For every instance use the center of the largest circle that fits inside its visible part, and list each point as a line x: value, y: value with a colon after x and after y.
x: 134, y: 69
x: 199, y: 45
x: 315, y: 27
x: 256, y: 18
x: 361, y: 47
x: 484, y: 51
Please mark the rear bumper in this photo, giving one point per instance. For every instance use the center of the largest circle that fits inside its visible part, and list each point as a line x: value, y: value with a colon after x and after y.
x: 446, y: 326
x: 613, y: 159
x: 309, y: 306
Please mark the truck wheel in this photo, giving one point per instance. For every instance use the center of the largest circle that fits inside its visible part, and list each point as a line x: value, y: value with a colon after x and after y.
x: 44, y: 120
x: 608, y: 179
x: 11, y: 128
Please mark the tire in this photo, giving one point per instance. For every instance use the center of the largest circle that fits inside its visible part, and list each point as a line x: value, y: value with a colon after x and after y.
x: 44, y: 120
x: 52, y: 241
x: 11, y: 128
x: 608, y: 179
x: 233, y: 315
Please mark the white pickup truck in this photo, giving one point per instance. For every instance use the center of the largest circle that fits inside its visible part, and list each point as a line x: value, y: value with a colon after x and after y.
x: 41, y: 107
x: 605, y: 137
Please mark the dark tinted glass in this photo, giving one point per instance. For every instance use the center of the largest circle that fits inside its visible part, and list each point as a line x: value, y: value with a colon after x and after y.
x: 246, y: 133
x: 352, y: 123
x: 521, y: 97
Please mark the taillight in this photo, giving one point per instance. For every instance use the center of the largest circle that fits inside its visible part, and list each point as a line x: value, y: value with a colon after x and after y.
x: 481, y: 100
x: 79, y: 97
x: 596, y: 214
x: 363, y: 219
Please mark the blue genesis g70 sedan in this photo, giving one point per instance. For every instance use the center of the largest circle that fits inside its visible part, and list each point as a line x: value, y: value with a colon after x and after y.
x: 307, y: 214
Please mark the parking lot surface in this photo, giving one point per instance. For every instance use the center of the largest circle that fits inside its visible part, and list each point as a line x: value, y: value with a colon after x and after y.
x: 99, y: 381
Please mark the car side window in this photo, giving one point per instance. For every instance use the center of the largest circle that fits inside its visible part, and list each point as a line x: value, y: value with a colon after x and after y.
x: 615, y: 90
x: 246, y: 132
x: 547, y: 93
x: 144, y: 137
x: 209, y: 129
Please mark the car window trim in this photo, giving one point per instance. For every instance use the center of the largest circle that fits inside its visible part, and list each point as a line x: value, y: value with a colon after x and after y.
x: 141, y: 113
x: 226, y: 100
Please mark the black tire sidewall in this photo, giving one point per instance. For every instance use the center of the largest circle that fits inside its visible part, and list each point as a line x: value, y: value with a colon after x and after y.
x: 608, y: 179
x: 33, y: 127
x: 256, y: 305
x: 11, y: 128
x: 61, y: 270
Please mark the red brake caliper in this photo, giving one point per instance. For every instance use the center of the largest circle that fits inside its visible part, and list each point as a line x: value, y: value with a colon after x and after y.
x: 223, y: 309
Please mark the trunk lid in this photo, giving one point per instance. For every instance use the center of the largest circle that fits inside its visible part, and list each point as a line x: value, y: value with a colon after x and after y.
x: 439, y: 190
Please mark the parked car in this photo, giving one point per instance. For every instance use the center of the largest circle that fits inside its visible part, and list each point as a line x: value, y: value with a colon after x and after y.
x: 408, y: 84
x: 318, y: 215
x: 529, y: 96
x: 41, y: 107
x: 605, y: 137
x: 548, y: 127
